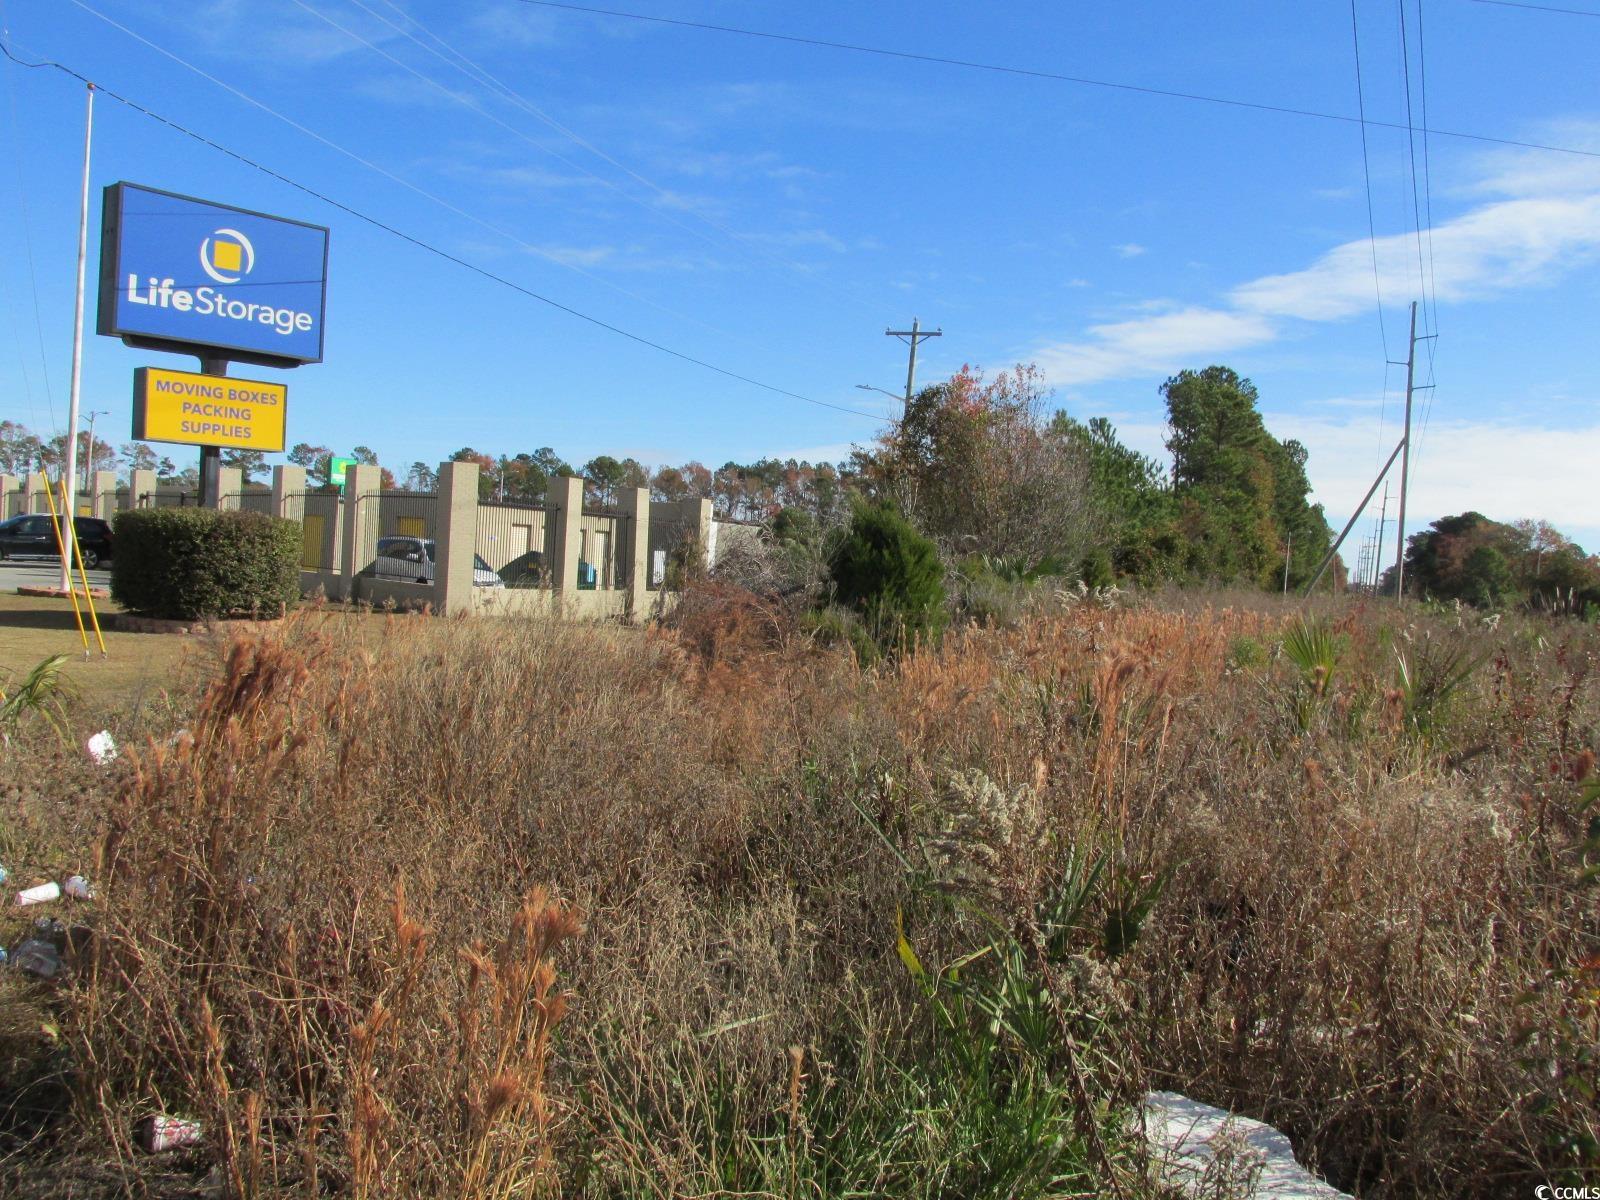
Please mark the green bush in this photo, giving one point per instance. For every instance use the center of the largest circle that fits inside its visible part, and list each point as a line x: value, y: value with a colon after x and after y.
x: 889, y: 573
x: 1096, y: 570
x: 182, y: 563
x: 832, y: 625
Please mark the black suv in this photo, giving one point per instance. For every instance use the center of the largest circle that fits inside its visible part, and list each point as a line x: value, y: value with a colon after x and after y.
x: 31, y: 536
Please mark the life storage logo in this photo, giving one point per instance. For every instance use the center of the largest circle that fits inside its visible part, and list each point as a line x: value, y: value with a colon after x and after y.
x: 227, y: 257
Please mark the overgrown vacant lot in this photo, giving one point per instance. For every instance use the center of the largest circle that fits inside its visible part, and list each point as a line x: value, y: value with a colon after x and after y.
x: 507, y: 908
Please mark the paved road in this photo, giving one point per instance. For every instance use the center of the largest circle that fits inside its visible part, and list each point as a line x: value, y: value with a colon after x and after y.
x: 39, y: 572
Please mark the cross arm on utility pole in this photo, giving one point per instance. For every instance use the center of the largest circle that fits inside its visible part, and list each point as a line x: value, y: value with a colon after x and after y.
x: 912, y: 337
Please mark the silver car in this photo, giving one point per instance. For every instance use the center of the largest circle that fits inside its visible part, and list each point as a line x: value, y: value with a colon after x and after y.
x: 410, y: 560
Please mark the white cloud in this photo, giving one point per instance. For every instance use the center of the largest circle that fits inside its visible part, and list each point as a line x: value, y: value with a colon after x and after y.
x: 1129, y: 249
x: 1505, y: 471
x: 292, y: 38
x: 1542, y: 222
x: 1131, y: 347
x: 1509, y: 244
x: 509, y: 24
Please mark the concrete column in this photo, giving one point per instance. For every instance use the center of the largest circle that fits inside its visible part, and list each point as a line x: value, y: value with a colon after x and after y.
x: 230, y: 482
x: 103, y: 491
x: 633, y: 558
x: 360, y: 524
x: 36, y: 487
x: 140, y: 485
x: 705, y: 529
x: 9, y: 485
x: 565, y: 502
x: 289, y: 493
x: 457, y: 541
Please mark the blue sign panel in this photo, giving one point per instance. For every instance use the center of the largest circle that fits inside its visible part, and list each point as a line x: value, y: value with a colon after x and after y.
x: 193, y: 277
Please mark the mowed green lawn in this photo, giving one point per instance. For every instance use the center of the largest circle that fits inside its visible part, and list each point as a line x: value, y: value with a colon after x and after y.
x: 32, y: 628
x: 136, y: 667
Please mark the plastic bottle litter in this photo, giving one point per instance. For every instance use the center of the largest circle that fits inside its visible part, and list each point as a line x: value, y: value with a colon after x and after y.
x: 3, y: 874
x: 102, y: 748
x: 78, y: 888
x: 42, y: 894
x: 37, y: 957
x: 158, y: 1134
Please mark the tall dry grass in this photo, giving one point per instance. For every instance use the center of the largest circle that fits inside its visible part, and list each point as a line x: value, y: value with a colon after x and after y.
x: 505, y: 907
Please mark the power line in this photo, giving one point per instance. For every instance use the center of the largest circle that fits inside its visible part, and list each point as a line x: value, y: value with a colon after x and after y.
x: 478, y: 74
x: 427, y: 246
x: 1051, y: 75
x: 1571, y: 12
x: 1411, y: 146
x: 386, y: 173
x: 33, y: 276
x: 1427, y: 192
x: 1366, y: 174
x: 1423, y: 272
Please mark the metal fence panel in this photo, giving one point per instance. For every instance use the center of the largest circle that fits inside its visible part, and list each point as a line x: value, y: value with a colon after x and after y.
x: 408, y: 514
x: 672, y: 539
x: 597, y: 548
x: 321, y: 527
x: 512, y: 537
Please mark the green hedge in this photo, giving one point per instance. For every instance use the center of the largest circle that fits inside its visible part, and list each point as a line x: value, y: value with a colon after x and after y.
x: 183, y: 563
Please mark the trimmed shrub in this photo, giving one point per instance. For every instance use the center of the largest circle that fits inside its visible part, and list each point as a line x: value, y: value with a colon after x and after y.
x: 182, y: 563
x: 889, y: 573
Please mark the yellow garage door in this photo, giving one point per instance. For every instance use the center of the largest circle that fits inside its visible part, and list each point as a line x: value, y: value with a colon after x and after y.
x: 311, y: 531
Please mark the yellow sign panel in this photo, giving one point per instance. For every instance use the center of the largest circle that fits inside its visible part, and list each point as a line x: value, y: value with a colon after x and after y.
x: 208, y: 410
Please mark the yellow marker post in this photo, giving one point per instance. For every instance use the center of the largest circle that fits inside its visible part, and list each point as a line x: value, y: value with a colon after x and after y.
x: 72, y: 592
x: 83, y: 573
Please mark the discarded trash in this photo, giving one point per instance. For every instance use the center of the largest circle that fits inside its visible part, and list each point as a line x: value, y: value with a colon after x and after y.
x: 1198, y: 1148
x: 37, y: 957
x: 42, y: 894
x: 102, y: 748
x: 158, y: 1134
x: 78, y: 888
x: 3, y: 956
x: 3, y: 874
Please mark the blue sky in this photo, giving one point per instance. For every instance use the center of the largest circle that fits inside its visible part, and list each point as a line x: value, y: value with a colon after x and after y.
x: 772, y: 208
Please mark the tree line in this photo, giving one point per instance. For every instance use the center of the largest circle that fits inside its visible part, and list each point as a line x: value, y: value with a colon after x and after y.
x: 995, y: 473
x: 984, y: 466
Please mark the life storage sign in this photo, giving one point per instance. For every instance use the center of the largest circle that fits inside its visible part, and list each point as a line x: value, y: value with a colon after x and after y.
x: 193, y: 277
x: 208, y: 410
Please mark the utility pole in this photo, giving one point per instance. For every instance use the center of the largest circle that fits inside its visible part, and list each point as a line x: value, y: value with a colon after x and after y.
x: 70, y: 471
x: 1405, y: 468
x: 912, y: 336
x: 1383, y: 519
x: 1288, y: 546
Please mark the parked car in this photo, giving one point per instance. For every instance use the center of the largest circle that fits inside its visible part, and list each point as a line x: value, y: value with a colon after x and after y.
x: 31, y: 536
x: 410, y: 559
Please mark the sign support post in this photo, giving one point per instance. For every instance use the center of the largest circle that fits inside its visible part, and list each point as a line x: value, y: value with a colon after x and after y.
x: 211, y: 456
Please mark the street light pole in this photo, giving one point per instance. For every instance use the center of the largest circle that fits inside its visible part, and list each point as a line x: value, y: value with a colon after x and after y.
x: 70, y: 471
x: 103, y: 412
